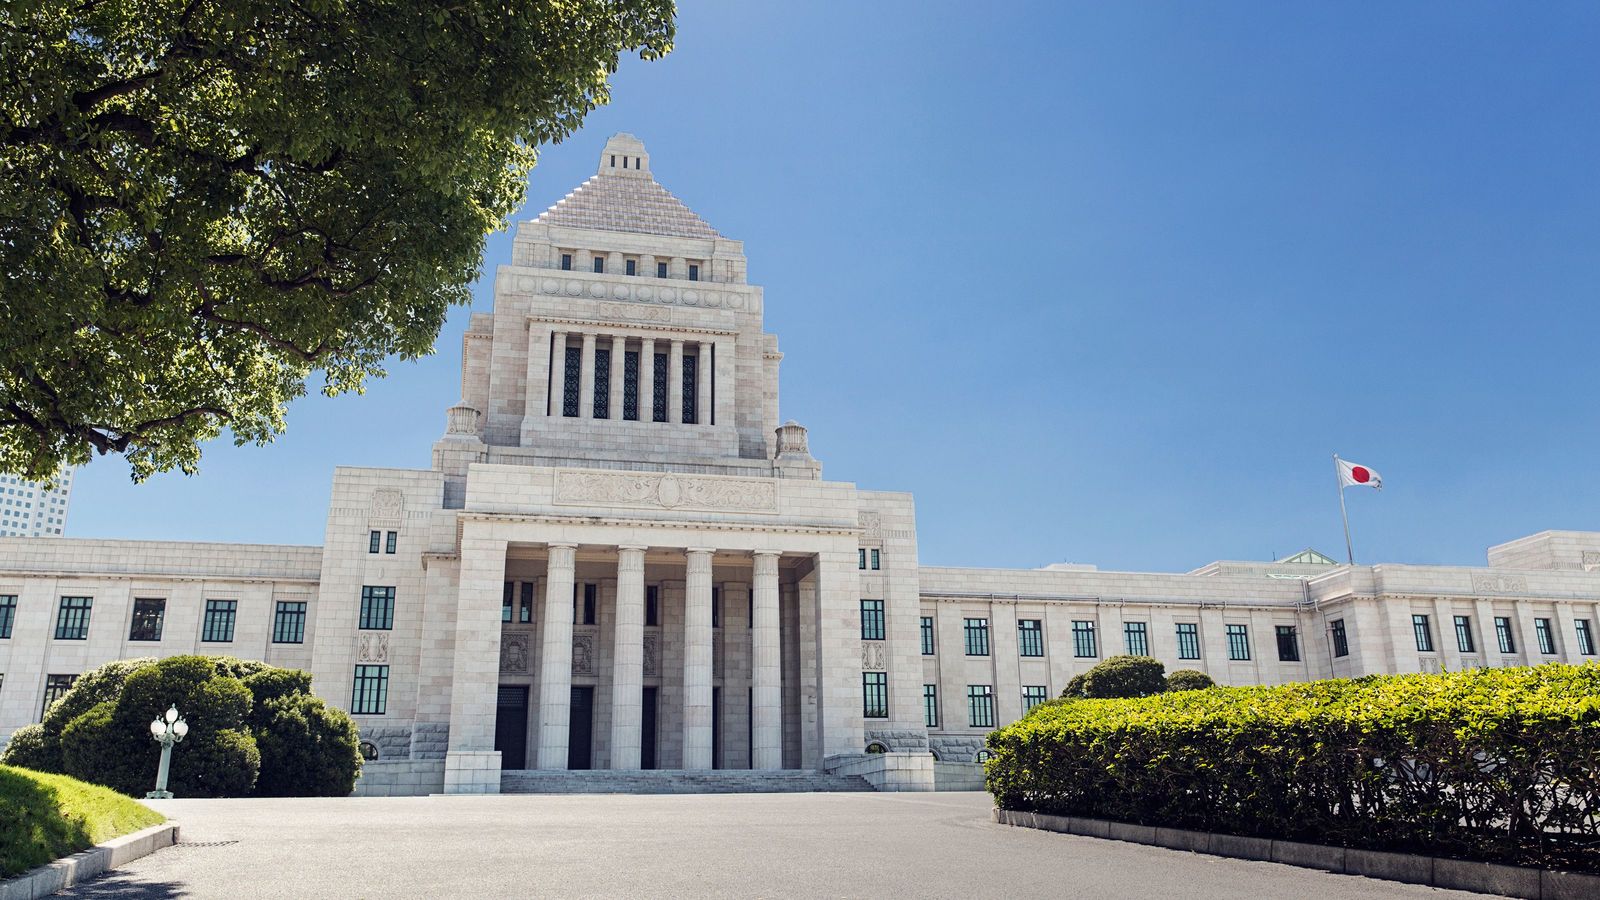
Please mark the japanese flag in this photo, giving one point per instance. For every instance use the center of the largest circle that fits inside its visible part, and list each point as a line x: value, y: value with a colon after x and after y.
x: 1352, y: 473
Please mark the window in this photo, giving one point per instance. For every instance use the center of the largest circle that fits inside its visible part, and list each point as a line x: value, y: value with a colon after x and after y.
x: 8, y: 614
x: 1188, y: 640
x: 1502, y: 634
x: 1546, y: 636
x: 1083, y: 642
x: 861, y: 559
x: 599, y: 265
x: 1419, y: 625
x: 716, y: 607
x: 393, y: 539
x: 1585, y: 637
x: 218, y: 625
x: 289, y: 622
x: 694, y: 272
x: 1033, y: 695
x: 373, y: 538
x: 1030, y: 637
x: 525, y: 604
x: 930, y: 705
x: 583, y: 610
x: 72, y: 622
x: 1341, y: 644
x: 691, y: 370
x: 980, y: 706
x: 602, y: 383
x: 658, y: 388
x: 1238, y: 642
x: 1464, y: 634
x: 147, y: 615
x: 875, y: 560
x: 572, y: 372
x: 652, y: 605
x: 377, y: 608
x: 54, y: 687
x: 927, y: 635
x: 632, y: 266
x: 661, y: 270
x: 872, y: 620
x: 1136, y: 638
x: 977, y: 637
x: 370, y: 696
x: 566, y: 262
x: 630, y: 385
x: 1288, y: 644
x: 506, y: 597
x: 875, y: 695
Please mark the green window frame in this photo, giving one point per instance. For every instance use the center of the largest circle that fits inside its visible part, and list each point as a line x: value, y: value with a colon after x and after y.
x: 1464, y: 641
x: 1546, y: 636
x: 1084, y: 645
x: 54, y: 687
x: 1136, y: 638
x: 377, y: 608
x: 875, y: 695
x: 1030, y: 637
x: 1502, y: 634
x: 980, y: 705
x: 1423, y: 633
x: 289, y: 622
x: 1033, y: 695
x: 1188, y: 640
x: 872, y: 628
x: 927, y: 636
x: 930, y: 705
x: 148, y: 613
x: 72, y: 619
x: 1238, y: 642
x: 1341, y: 641
x: 369, y: 695
x: 217, y: 627
x: 8, y: 614
x: 977, y: 634
x: 1288, y: 643
x: 1585, y: 637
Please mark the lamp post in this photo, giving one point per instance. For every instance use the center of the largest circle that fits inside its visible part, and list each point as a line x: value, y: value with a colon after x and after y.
x: 169, y: 730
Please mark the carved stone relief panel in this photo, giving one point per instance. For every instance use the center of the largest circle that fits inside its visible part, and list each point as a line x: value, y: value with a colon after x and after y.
x: 666, y: 491
x: 372, y: 647
x: 873, y: 656
x: 1498, y: 584
x: 583, y: 662
x: 514, y: 652
x: 652, y: 655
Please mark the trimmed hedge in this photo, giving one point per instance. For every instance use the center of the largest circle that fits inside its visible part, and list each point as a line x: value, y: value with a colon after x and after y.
x: 253, y: 728
x: 1491, y: 764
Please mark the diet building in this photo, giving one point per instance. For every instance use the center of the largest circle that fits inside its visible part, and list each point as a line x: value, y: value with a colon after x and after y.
x: 625, y: 570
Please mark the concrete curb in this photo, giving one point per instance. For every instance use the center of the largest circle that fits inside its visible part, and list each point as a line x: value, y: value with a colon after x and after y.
x: 1463, y: 875
x: 79, y: 867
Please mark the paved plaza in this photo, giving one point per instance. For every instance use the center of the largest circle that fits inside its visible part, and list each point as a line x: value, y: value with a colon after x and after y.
x: 743, y: 845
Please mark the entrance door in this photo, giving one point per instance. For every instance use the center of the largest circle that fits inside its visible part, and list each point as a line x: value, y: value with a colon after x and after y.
x: 580, y: 733
x: 511, y: 725
x: 647, y: 730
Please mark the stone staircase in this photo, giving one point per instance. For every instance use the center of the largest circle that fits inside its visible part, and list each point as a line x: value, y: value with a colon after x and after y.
x: 676, y: 781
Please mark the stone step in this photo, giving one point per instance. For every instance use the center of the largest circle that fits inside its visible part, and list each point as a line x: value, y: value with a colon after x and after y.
x: 671, y: 781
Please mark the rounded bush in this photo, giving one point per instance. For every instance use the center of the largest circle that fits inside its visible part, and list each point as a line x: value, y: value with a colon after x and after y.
x: 308, y: 748
x: 26, y: 749
x: 1074, y: 687
x: 1189, y: 680
x: 1125, y: 676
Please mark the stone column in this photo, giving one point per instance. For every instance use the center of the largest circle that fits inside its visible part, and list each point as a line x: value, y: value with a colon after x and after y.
x: 558, y: 373
x: 555, y: 664
x: 702, y: 384
x: 675, y: 383
x: 647, y: 379
x: 535, y: 386
x: 627, y: 654
x: 472, y: 765
x: 697, y: 659
x: 765, y: 658
x: 619, y: 353
x: 586, y: 379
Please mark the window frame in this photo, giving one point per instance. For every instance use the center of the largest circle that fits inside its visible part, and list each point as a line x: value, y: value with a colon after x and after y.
x: 980, y: 706
x: 929, y: 644
x: 976, y: 633
x: 1544, y: 633
x: 1188, y: 640
x: 1503, y: 636
x: 8, y: 614
x: 374, y: 539
x: 1287, y: 651
x: 285, y: 617
x: 877, y: 559
x: 1341, y: 638
x: 54, y: 689
x: 872, y: 620
x: 152, y: 632
x: 391, y: 542
x: 1464, y: 639
x: 1422, y: 631
x: 930, y: 705
x: 1238, y: 636
x: 1142, y: 630
x: 1033, y: 695
x: 77, y: 627
x: 1030, y: 638
x: 1585, y: 632
x: 874, y: 695
x: 218, y: 623
x: 377, y: 608
x: 652, y: 606
x: 369, y: 691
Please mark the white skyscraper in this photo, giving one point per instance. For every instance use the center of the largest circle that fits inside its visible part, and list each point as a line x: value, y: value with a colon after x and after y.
x: 28, y: 509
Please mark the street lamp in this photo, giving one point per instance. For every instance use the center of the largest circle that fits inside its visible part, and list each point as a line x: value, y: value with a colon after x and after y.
x: 169, y: 730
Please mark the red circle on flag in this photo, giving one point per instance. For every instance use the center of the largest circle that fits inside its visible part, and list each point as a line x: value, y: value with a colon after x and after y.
x: 1360, y: 475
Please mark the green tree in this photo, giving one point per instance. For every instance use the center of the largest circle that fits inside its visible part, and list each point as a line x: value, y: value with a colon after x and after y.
x: 1125, y: 676
x: 1189, y: 680
x: 204, y: 203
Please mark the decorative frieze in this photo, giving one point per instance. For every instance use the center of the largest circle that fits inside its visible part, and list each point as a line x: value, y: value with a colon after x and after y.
x: 699, y: 296
x: 583, y: 654
x: 1487, y: 583
x: 372, y: 647
x: 388, y: 503
x: 652, y: 490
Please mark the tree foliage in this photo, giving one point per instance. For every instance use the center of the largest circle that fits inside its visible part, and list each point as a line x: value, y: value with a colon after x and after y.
x: 1189, y: 680
x: 1494, y: 764
x: 1125, y: 676
x: 203, y: 203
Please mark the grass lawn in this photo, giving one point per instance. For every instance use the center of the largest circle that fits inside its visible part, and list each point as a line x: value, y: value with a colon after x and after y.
x: 45, y: 817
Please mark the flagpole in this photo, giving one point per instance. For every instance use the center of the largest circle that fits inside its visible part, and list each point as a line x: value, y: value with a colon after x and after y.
x: 1350, y: 553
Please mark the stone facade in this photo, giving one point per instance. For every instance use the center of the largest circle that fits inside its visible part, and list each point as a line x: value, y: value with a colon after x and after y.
x: 620, y: 559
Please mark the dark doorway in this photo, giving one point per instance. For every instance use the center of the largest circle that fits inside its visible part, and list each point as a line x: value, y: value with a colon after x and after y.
x: 716, y: 728
x: 647, y: 730
x: 511, y: 725
x: 580, y: 734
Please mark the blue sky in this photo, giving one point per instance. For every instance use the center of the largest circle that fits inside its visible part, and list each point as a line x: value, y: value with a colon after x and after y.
x: 1100, y: 282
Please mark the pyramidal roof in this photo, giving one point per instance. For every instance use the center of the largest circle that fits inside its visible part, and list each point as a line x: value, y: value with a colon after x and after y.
x: 624, y: 196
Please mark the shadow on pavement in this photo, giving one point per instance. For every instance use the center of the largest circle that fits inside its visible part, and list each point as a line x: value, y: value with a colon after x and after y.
x: 119, y: 885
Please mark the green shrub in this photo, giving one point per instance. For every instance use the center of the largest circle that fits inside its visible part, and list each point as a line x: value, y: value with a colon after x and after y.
x: 1125, y: 676
x: 92, y: 687
x: 1492, y: 764
x: 1189, y: 680
x: 1074, y: 687
x: 26, y: 749
x: 308, y: 748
